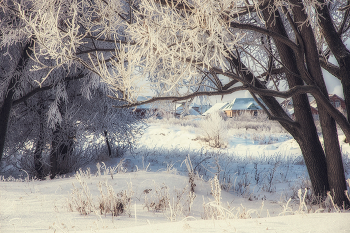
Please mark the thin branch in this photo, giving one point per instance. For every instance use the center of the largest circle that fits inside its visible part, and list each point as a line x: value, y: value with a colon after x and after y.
x: 273, y: 71
x: 30, y: 94
x: 179, y: 98
x: 95, y: 50
x: 230, y: 84
x: 264, y: 31
x: 39, y: 89
x: 296, y: 90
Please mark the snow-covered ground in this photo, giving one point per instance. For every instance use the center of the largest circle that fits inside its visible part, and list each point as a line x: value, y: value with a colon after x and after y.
x: 262, y: 188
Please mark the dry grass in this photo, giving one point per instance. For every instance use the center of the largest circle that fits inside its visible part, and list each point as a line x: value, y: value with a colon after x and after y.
x: 81, y: 199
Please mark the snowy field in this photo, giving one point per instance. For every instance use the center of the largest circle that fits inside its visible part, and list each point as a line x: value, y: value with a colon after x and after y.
x: 256, y: 182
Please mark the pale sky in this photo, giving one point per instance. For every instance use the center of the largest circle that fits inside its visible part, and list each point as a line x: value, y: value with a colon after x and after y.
x: 333, y: 84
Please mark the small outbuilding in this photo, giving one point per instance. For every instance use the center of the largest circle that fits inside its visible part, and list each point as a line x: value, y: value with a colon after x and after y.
x: 242, y: 105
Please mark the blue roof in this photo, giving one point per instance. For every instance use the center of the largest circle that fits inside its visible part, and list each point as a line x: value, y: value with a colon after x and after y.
x: 243, y: 104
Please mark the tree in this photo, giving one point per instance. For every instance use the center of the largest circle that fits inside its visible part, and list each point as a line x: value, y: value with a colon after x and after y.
x: 53, y: 108
x: 60, y: 121
x: 272, y: 48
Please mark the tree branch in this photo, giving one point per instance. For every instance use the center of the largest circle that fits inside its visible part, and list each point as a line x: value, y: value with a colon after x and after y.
x: 331, y: 68
x: 39, y: 89
x: 264, y: 31
x: 179, y: 98
x: 30, y: 94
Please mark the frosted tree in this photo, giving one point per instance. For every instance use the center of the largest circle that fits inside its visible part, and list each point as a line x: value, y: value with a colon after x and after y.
x: 15, y: 50
x: 273, y: 48
x: 42, y: 101
x: 185, y: 49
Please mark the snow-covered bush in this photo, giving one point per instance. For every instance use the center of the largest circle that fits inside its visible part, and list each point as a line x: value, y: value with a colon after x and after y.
x: 82, y: 200
x: 113, y: 203
x: 214, y: 129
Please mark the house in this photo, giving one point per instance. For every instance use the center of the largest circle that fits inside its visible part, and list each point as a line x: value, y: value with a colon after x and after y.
x: 215, y: 107
x: 181, y: 110
x: 200, y: 108
x: 240, y: 105
x: 335, y: 100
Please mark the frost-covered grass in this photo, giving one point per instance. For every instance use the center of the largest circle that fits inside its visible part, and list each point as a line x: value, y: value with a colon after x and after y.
x: 174, y: 182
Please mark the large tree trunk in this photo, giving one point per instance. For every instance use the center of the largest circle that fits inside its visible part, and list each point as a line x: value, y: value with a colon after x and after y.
x: 62, y: 146
x: 336, y: 176
x: 307, y: 136
x: 5, y: 115
x: 346, y: 91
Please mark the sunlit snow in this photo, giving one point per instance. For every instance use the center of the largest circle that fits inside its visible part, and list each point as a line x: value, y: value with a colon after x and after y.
x: 157, y: 170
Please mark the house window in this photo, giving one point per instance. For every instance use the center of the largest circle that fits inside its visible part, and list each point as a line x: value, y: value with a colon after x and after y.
x: 337, y: 103
x: 255, y: 113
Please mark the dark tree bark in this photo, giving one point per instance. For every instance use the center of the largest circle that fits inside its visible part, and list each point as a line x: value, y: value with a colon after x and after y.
x: 306, y: 136
x: 108, y: 144
x: 335, y: 170
x: 5, y: 115
x: 305, y: 133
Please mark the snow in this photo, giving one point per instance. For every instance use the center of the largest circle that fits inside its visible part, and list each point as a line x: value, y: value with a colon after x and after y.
x: 185, y: 137
x: 43, y: 206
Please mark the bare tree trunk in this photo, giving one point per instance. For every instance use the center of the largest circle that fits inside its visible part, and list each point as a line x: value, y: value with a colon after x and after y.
x: 108, y: 144
x: 307, y: 136
x: 5, y: 115
x: 335, y: 169
x: 346, y: 92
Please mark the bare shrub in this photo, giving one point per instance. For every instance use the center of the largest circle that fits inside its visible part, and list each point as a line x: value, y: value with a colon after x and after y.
x: 81, y: 198
x: 213, y: 209
x: 191, y: 174
x: 271, y: 174
x: 113, y: 203
x: 82, y: 201
x: 214, y: 129
x: 157, y: 200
